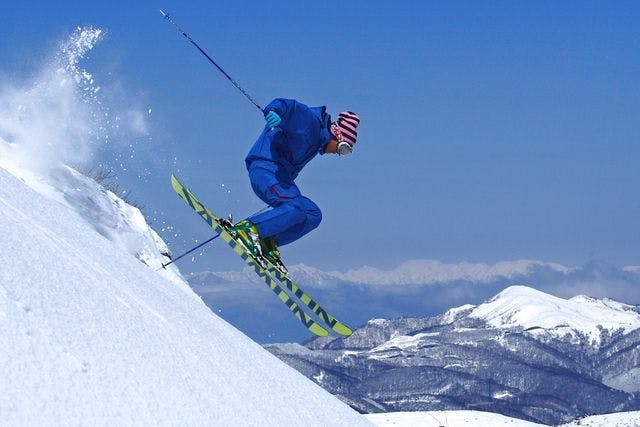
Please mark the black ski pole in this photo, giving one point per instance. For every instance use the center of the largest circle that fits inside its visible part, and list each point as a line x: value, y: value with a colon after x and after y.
x: 189, y: 251
x: 168, y: 18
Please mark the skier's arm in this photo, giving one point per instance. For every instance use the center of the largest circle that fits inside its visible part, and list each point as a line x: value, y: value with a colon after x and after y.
x: 282, y: 107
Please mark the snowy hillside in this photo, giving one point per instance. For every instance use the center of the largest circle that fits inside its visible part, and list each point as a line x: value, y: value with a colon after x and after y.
x: 476, y: 418
x: 543, y: 314
x: 91, y: 334
x: 619, y: 419
x: 447, y: 418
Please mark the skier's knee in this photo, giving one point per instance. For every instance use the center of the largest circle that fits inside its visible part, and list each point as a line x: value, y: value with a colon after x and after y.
x: 307, y: 212
x: 298, y: 212
x: 314, y: 214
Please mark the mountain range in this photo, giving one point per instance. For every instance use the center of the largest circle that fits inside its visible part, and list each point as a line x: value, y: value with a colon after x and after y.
x: 415, y: 288
x: 523, y: 353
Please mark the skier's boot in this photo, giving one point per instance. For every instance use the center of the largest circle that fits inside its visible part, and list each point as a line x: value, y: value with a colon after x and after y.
x: 247, y: 233
x: 272, y: 254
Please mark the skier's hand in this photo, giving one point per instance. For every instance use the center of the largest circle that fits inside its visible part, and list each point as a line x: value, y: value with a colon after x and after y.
x: 273, y: 119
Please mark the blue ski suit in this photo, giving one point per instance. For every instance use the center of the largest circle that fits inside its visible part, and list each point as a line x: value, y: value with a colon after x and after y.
x: 274, y: 162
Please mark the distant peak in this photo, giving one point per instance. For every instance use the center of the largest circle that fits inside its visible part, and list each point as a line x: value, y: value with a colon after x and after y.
x: 533, y: 310
x: 521, y: 290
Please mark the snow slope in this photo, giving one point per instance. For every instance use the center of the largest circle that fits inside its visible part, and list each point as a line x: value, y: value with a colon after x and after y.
x: 541, y: 313
x: 447, y: 418
x: 618, y: 419
x: 477, y: 418
x: 91, y: 335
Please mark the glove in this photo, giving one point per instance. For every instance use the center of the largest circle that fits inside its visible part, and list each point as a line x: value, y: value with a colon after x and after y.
x: 273, y: 119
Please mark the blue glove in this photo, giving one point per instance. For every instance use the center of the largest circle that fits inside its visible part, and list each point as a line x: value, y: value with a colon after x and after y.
x: 273, y: 119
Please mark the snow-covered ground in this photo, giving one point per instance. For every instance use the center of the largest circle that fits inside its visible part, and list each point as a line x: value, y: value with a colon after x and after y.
x: 620, y: 419
x: 92, y: 335
x: 488, y: 419
x: 446, y: 419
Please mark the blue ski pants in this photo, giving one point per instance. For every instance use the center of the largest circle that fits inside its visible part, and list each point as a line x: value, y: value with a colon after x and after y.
x: 292, y: 216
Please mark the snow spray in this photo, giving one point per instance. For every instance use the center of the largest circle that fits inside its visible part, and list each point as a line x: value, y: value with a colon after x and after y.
x: 58, y: 116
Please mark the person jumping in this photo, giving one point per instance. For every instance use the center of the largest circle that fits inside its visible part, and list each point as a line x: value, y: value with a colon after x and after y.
x: 294, y: 134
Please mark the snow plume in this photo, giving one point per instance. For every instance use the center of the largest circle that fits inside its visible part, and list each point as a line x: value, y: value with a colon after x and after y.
x: 58, y: 116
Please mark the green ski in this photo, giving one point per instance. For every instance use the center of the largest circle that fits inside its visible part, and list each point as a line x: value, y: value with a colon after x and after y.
x: 215, y: 223
x: 336, y: 325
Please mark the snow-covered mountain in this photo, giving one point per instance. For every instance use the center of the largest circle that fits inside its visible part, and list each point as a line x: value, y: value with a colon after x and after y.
x: 547, y: 316
x: 91, y: 334
x: 429, y: 271
x: 415, y: 272
x: 523, y: 354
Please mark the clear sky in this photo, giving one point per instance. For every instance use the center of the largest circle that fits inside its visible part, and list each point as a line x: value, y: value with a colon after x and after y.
x: 490, y: 130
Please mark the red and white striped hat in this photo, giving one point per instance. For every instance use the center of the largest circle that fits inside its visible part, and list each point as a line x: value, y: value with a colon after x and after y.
x: 345, y: 128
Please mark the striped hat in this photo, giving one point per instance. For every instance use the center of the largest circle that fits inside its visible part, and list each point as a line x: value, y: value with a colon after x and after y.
x: 345, y: 128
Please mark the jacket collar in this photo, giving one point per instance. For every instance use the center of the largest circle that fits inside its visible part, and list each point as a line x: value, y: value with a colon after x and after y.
x: 325, y: 120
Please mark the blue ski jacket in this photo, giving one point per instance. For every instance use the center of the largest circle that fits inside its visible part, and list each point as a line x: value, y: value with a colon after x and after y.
x: 286, y: 149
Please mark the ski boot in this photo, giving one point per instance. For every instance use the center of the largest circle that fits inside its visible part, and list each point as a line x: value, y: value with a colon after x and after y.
x: 272, y: 254
x: 247, y: 234
x: 227, y: 222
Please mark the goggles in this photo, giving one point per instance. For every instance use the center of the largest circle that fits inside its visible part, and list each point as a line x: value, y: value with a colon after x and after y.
x: 344, y: 148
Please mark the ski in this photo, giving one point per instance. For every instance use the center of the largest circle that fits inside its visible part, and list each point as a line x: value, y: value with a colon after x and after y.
x: 215, y: 223
x: 337, y: 326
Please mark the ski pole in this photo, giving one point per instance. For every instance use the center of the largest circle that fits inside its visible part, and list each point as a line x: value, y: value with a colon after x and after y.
x: 168, y: 18
x: 189, y: 251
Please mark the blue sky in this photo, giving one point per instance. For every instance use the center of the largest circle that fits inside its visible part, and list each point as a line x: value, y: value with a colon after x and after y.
x: 490, y: 130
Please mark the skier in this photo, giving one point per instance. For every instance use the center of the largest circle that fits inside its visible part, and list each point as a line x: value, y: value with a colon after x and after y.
x: 294, y: 134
